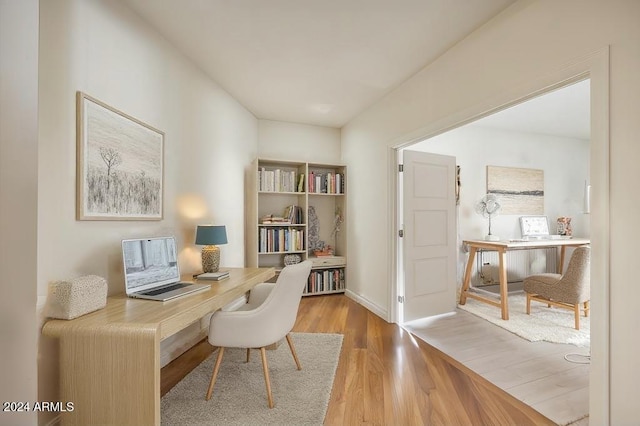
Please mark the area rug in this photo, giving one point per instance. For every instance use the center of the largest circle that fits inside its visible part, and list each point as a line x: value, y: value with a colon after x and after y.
x: 239, y: 398
x: 554, y: 325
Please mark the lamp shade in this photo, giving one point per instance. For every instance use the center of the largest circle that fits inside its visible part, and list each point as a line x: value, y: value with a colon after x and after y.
x: 210, y: 235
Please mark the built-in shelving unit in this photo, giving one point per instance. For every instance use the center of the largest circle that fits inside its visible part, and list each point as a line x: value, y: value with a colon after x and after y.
x: 297, y: 210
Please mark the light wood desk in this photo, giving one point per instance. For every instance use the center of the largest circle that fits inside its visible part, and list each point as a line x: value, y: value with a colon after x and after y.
x: 502, y: 247
x: 110, y: 359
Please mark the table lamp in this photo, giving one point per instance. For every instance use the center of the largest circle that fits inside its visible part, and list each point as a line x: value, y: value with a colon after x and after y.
x: 210, y: 236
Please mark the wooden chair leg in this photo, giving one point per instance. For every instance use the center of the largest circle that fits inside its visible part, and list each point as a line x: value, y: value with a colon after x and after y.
x: 576, y: 312
x: 528, y: 304
x: 265, y: 368
x: 586, y: 308
x: 248, y: 353
x: 293, y: 352
x: 216, y: 368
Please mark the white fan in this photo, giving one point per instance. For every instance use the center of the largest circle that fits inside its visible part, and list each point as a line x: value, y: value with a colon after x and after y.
x: 489, y: 206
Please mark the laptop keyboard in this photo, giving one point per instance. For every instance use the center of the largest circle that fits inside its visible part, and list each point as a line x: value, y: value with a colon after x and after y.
x: 164, y: 289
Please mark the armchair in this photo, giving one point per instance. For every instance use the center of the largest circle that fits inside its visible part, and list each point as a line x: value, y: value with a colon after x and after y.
x: 570, y: 290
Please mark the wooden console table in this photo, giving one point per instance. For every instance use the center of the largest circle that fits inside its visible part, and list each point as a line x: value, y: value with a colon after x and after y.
x: 110, y: 359
x: 502, y: 247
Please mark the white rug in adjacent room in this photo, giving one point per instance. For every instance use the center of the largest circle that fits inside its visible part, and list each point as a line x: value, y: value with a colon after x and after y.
x: 554, y: 325
x: 300, y: 397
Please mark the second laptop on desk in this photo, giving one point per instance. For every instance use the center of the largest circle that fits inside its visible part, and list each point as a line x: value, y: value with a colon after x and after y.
x: 151, y: 270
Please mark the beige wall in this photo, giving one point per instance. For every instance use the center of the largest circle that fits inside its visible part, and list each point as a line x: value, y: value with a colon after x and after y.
x: 298, y: 142
x: 102, y: 48
x: 525, y: 44
x: 18, y: 205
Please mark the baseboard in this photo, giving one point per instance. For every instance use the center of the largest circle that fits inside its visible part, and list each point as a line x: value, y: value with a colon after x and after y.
x: 379, y: 311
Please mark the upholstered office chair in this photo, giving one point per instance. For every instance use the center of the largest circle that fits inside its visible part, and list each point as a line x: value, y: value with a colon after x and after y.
x: 570, y: 290
x: 267, y: 318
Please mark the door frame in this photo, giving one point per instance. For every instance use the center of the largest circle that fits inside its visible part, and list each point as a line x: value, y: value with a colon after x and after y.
x: 594, y: 66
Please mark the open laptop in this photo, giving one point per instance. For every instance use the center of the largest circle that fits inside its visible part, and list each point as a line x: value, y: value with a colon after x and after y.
x: 536, y: 228
x: 151, y: 270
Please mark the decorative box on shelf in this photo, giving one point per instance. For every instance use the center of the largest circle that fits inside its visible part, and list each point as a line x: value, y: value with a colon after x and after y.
x: 328, y: 261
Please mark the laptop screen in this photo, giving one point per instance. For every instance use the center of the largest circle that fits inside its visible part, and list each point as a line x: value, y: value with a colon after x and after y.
x: 534, y: 226
x: 149, y: 263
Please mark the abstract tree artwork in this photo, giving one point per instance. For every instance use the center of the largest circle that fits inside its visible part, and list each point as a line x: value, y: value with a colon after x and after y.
x: 119, y: 166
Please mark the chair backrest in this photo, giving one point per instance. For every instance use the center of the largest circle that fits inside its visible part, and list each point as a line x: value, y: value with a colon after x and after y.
x: 284, y: 299
x: 576, y: 280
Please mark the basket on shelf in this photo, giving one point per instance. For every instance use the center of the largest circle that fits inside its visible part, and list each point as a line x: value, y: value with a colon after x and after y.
x: 292, y: 259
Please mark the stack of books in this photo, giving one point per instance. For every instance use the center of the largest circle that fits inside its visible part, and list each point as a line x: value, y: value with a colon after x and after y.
x: 215, y: 276
x: 275, y: 220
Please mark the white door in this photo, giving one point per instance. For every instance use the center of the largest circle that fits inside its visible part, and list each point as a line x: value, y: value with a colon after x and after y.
x: 429, y: 241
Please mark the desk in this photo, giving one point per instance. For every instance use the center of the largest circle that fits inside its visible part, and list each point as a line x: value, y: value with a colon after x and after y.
x: 502, y: 247
x: 110, y: 359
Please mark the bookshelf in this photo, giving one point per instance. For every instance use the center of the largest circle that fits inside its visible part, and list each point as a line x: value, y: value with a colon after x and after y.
x: 293, y: 208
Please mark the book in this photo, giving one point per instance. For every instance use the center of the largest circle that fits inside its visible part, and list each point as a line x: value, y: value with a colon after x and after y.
x: 216, y: 276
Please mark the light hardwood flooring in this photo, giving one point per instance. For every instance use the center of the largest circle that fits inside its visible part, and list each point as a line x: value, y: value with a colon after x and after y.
x: 534, y: 372
x: 386, y: 376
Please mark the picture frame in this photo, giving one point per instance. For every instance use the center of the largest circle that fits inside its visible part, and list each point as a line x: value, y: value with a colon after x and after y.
x: 119, y: 164
x: 521, y: 190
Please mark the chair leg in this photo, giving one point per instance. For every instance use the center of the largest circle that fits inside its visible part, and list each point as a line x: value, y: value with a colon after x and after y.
x: 293, y: 352
x: 265, y: 368
x: 248, y: 353
x: 216, y: 368
x: 528, y: 304
x: 576, y: 312
x: 586, y: 308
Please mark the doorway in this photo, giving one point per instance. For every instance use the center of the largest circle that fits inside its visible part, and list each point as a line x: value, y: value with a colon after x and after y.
x: 535, y: 155
x: 540, y: 134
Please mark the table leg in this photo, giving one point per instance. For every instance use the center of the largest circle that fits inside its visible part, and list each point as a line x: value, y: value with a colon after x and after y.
x: 561, y: 260
x: 112, y: 375
x: 504, y: 305
x: 467, y: 275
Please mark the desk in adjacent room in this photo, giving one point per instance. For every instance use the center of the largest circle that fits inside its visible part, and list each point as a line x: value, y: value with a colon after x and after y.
x: 110, y: 359
x: 502, y: 247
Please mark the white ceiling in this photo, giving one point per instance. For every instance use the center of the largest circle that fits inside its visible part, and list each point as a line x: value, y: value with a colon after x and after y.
x: 317, y: 62
x: 323, y: 62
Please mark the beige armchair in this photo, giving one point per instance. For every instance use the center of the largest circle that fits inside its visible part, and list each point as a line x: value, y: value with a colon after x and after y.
x: 267, y: 318
x: 570, y: 290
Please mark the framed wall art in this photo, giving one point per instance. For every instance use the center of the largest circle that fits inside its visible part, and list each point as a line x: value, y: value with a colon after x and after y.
x: 120, y: 163
x: 521, y: 191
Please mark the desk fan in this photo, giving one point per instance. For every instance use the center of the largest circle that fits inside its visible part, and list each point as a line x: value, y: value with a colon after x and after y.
x: 489, y: 206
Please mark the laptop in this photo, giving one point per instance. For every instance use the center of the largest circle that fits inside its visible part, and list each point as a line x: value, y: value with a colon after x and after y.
x: 535, y: 228
x: 151, y: 270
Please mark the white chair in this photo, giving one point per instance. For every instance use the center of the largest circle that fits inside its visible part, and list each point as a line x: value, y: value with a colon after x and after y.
x: 268, y: 317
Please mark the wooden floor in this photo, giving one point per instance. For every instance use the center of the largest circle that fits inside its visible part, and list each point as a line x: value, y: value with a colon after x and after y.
x: 536, y: 373
x: 385, y: 376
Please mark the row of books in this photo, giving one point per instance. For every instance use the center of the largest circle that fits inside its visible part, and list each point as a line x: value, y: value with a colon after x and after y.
x: 326, y: 183
x: 280, y: 181
x: 290, y: 181
x: 325, y: 280
x: 293, y: 215
x: 275, y: 240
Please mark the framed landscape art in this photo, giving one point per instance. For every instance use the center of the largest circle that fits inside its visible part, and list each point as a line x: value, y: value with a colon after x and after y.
x: 120, y: 163
x: 521, y: 191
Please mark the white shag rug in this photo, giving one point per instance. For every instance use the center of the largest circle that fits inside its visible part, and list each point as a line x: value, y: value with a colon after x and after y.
x: 239, y: 397
x: 554, y: 325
